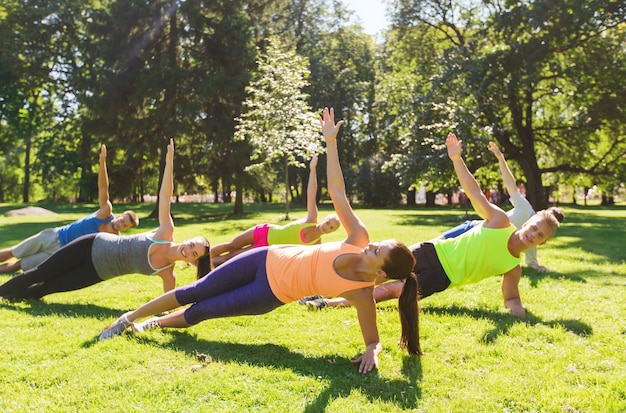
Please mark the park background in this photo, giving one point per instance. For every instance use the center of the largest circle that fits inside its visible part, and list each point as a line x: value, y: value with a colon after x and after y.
x: 239, y: 85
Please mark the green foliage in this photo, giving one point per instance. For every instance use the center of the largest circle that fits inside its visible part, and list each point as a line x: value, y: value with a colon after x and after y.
x: 277, y: 120
x: 521, y: 71
x: 542, y: 78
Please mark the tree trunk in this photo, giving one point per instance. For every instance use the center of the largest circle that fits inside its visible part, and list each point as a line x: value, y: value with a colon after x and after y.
x: 26, y: 187
x: 286, y: 188
x: 430, y: 198
x: 238, y: 196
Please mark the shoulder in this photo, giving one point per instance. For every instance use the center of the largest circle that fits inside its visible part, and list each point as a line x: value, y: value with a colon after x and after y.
x: 497, y: 218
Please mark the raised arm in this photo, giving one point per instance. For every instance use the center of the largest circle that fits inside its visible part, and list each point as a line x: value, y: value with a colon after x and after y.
x: 494, y: 217
x: 166, y: 223
x: 106, y: 208
x: 311, y: 192
x: 507, y: 175
x: 357, y: 233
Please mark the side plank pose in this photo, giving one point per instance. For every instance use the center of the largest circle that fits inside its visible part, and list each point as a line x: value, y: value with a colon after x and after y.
x: 521, y: 212
x: 35, y: 249
x: 98, y: 257
x: 491, y: 248
x: 265, y: 278
x: 305, y: 231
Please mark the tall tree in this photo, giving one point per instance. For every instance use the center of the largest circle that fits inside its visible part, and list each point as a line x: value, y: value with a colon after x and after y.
x: 277, y: 120
x: 521, y: 70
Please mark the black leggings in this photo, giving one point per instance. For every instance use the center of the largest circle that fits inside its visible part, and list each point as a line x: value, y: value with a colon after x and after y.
x: 69, y: 268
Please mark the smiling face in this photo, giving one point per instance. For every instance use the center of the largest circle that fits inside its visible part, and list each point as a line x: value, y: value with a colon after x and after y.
x: 330, y: 224
x: 192, y: 249
x: 122, y: 223
x: 535, y: 231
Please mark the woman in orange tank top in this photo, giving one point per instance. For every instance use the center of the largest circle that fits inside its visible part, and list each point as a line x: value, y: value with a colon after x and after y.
x: 248, y: 284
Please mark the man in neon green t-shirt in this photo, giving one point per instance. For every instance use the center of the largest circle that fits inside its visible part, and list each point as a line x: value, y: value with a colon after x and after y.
x: 491, y: 248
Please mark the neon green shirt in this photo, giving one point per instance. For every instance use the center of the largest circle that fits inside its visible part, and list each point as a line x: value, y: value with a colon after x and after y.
x: 288, y: 234
x: 477, y: 254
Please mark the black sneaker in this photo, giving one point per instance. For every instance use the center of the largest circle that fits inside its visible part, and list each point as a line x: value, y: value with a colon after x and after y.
x: 317, y: 304
x: 304, y: 300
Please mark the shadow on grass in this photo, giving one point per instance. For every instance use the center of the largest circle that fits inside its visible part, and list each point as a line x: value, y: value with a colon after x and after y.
x: 343, y: 376
x: 40, y: 308
x: 535, y: 277
x: 503, y: 322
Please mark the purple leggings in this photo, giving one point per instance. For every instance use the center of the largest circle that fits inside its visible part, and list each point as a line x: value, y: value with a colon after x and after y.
x: 237, y: 287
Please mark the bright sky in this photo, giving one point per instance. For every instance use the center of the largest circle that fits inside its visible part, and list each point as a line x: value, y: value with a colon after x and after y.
x: 370, y: 12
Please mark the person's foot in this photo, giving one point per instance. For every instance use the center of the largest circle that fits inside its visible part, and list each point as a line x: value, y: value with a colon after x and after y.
x: 317, y: 304
x: 304, y: 300
x: 149, y: 324
x: 115, y: 329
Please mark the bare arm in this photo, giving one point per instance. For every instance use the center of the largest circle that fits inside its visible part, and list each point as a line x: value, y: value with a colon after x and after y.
x: 365, y: 305
x: 311, y: 192
x: 510, y: 291
x: 507, y: 175
x: 106, y: 208
x: 357, y: 233
x: 168, y: 278
x: 494, y: 217
x: 166, y: 223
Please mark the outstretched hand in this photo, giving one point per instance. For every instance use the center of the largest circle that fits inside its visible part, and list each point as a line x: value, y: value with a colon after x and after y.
x: 455, y: 147
x: 327, y: 121
x: 170, y: 150
x: 494, y: 148
x: 103, y: 153
x: 313, y: 162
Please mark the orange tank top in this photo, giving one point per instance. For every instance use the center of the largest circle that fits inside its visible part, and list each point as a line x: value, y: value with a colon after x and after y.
x: 296, y: 271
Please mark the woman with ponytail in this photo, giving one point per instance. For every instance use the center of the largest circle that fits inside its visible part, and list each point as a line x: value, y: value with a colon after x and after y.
x: 94, y: 258
x: 265, y: 278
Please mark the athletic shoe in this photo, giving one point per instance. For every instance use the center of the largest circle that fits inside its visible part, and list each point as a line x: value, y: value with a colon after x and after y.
x: 149, y: 324
x: 304, y: 300
x: 317, y: 304
x: 115, y: 329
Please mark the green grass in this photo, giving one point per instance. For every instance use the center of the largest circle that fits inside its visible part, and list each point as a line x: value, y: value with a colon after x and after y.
x: 567, y: 355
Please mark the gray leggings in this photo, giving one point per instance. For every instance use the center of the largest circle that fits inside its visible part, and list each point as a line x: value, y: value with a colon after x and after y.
x: 237, y: 287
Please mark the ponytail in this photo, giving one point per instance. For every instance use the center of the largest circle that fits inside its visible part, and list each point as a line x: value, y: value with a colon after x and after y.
x: 204, y: 264
x: 400, y: 266
x: 408, y: 308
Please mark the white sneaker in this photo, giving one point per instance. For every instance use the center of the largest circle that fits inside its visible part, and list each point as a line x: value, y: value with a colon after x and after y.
x: 115, y: 329
x: 149, y: 324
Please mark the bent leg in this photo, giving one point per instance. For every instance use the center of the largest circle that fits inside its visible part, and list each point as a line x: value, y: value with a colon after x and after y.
x: 10, y: 267
x: 6, y: 254
x: 383, y: 292
x: 219, y: 260
x: 241, y: 241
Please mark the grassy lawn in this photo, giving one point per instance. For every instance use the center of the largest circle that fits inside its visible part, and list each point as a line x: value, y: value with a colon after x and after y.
x: 567, y: 355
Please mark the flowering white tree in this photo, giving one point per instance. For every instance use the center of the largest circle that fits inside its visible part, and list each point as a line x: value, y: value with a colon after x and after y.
x: 277, y: 119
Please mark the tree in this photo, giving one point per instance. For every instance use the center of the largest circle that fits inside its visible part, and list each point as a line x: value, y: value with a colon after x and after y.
x: 523, y: 76
x: 277, y: 121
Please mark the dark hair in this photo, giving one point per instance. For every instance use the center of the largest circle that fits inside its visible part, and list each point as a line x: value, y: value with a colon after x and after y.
x: 132, y: 216
x: 204, y: 264
x: 400, y: 266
